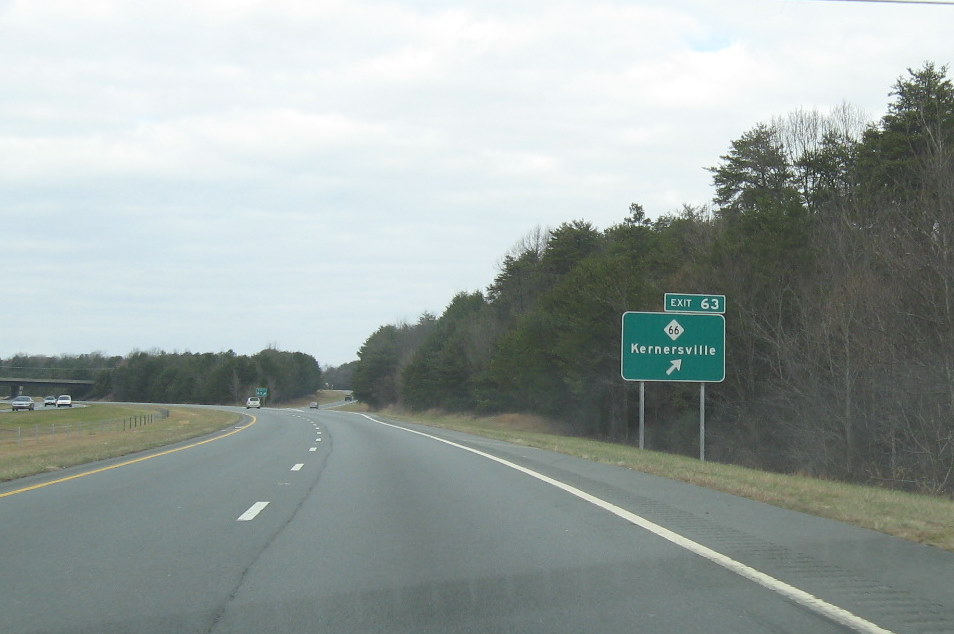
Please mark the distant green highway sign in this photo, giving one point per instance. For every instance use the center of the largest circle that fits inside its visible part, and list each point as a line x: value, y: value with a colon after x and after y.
x: 261, y: 391
x: 673, y: 347
x: 675, y: 302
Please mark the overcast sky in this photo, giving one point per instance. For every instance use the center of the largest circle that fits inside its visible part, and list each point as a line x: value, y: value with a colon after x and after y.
x: 207, y: 175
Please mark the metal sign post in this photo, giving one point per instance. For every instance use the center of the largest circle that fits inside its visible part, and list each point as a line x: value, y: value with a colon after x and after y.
x: 702, y: 422
x: 642, y: 414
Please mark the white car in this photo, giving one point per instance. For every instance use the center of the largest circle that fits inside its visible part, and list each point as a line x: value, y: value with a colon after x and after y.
x: 253, y: 401
x: 22, y: 402
x: 64, y: 400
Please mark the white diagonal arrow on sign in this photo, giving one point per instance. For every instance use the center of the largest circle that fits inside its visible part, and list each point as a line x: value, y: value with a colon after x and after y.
x: 676, y: 366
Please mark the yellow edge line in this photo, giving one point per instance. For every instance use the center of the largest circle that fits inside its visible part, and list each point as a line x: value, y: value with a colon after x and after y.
x: 128, y: 462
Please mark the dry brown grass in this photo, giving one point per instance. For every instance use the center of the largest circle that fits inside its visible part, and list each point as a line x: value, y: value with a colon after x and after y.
x: 52, y: 453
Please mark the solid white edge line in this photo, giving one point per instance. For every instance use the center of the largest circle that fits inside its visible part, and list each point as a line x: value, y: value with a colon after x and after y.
x: 810, y: 601
x: 298, y: 466
x: 252, y: 511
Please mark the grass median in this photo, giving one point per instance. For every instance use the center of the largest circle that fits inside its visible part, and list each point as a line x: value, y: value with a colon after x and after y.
x: 925, y: 519
x: 47, y: 441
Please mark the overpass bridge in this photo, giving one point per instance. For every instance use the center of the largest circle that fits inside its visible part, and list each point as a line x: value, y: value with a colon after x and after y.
x: 17, y: 385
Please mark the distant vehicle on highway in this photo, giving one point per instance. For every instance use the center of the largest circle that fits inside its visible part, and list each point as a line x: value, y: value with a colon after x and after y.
x: 64, y: 400
x: 22, y: 402
x: 49, y: 401
x: 348, y: 397
x: 313, y: 405
x: 253, y: 401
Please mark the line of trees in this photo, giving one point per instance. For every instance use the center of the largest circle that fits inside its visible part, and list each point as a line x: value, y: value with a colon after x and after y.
x: 339, y: 377
x: 223, y: 377
x: 833, y: 240
x: 161, y: 377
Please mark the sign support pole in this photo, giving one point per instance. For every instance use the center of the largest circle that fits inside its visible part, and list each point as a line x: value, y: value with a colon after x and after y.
x: 702, y: 422
x: 642, y: 413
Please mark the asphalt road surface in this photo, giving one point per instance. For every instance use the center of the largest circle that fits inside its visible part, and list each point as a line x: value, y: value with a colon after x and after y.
x: 324, y: 521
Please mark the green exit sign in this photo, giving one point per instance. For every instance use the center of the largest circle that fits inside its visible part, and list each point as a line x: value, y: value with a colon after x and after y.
x: 673, y: 347
x: 680, y: 303
x: 261, y: 392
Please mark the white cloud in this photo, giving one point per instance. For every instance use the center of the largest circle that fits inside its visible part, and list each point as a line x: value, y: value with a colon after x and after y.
x: 362, y: 161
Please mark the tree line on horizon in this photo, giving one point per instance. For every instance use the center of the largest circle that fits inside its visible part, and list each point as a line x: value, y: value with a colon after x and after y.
x: 181, y: 377
x: 832, y: 238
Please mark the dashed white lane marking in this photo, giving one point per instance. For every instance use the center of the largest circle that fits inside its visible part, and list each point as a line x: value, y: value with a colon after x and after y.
x: 313, y: 449
x: 298, y: 466
x: 252, y: 511
x: 810, y: 601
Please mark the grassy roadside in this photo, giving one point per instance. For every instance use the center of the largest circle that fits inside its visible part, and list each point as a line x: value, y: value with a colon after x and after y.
x: 94, y: 433
x: 924, y: 519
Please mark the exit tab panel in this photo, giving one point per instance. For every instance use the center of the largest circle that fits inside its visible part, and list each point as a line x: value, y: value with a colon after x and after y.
x: 682, y: 303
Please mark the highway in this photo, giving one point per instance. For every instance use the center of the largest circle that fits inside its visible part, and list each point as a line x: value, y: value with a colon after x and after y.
x: 327, y: 521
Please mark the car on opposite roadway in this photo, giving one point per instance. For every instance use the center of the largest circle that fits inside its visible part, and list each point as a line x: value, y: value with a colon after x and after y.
x: 64, y: 400
x: 22, y: 402
x: 313, y: 405
x: 253, y: 401
x: 49, y: 401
